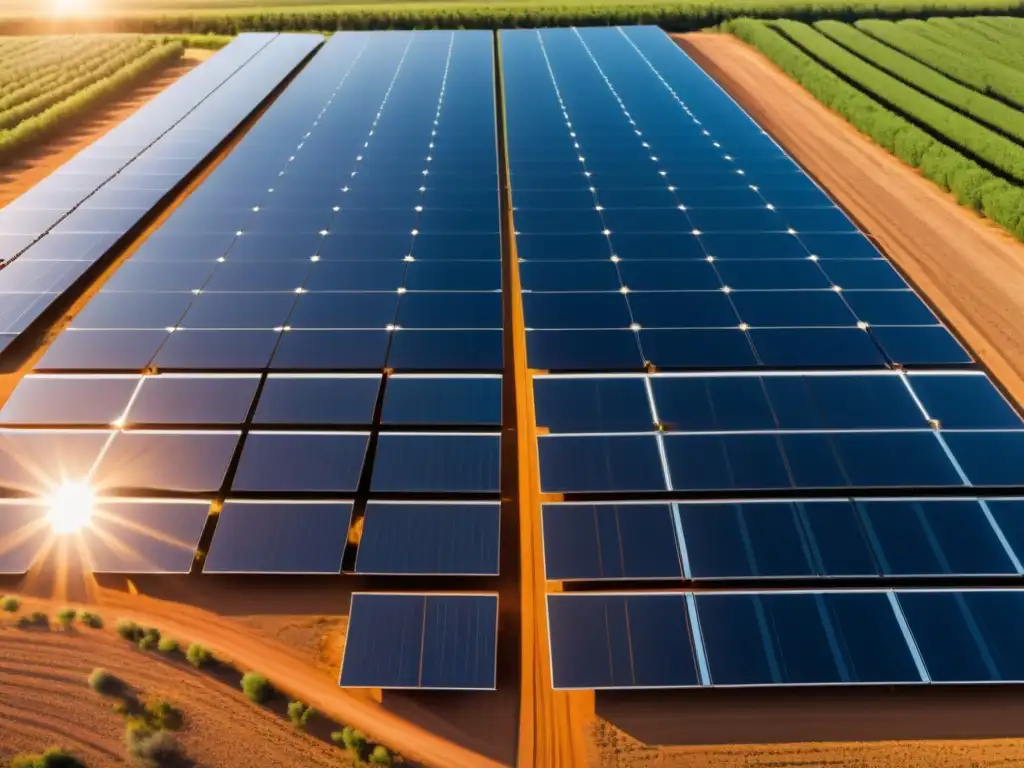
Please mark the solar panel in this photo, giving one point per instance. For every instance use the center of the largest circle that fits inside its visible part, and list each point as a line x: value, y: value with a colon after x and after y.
x: 429, y: 539
x: 212, y: 101
x: 447, y: 463
x: 24, y: 535
x: 287, y: 537
x: 429, y: 641
x: 442, y: 400
x: 148, y: 460
x: 295, y: 462
x: 138, y: 536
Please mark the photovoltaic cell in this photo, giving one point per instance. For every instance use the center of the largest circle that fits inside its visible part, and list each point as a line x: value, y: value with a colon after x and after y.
x: 287, y: 537
x: 429, y: 641
x: 143, y: 535
x: 429, y: 539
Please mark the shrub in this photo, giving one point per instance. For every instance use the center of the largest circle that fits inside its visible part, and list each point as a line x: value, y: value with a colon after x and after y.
x: 92, y: 620
x: 167, y: 645
x: 10, y: 604
x: 129, y: 630
x: 149, y: 747
x: 380, y: 755
x: 147, y: 642
x: 104, y: 683
x: 54, y: 757
x: 66, y: 617
x: 198, y: 656
x: 299, y: 713
x: 163, y: 715
x: 256, y: 687
x: 354, y: 740
x: 338, y: 737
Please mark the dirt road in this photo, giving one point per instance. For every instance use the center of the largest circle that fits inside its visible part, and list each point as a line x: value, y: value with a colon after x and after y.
x: 970, y: 270
x: 293, y: 676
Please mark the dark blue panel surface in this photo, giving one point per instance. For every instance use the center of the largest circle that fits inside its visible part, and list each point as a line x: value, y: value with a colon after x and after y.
x: 433, y: 400
x: 279, y: 537
x: 421, y: 641
x: 804, y: 639
x: 964, y: 402
x: 301, y: 461
x: 619, y: 641
x: 439, y: 463
x: 611, y: 463
x: 592, y: 404
x: 411, y: 539
x: 610, y: 541
x: 317, y: 399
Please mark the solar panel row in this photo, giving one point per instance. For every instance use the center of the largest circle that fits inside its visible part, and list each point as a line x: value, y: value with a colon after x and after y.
x: 63, y: 226
x: 643, y: 241
x: 355, y: 227
x: 750, y: 639
x: 138, y: 535
x: 760, y: 539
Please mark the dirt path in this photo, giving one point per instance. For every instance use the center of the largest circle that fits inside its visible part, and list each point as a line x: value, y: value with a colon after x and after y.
x: 41, y: 161
x: 423, y: 742
x: 970, y: 270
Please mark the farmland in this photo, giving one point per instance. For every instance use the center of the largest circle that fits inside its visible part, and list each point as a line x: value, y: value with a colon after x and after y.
x: 178, y: 16
x: 46, y: 83
x: 940, y: 99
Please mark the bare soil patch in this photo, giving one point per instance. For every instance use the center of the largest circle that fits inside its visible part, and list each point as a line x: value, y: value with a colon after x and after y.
x: 971, y: 271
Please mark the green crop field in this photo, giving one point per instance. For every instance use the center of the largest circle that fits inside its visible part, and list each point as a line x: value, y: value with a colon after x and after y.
x: 47, y: 81
x: 232, y: 16
x: 944, y: 95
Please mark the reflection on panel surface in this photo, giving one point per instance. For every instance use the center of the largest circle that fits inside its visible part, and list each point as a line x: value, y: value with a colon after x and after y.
x: 430, y: 641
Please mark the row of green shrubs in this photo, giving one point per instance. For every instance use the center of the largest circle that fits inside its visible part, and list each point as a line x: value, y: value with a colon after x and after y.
x: 973, y: 185
x: 984, y: 144
x: 38, y: 92
x: 56, y: 117
x: 677, y: 17
x: 979, y: 106
x: 930, y: 44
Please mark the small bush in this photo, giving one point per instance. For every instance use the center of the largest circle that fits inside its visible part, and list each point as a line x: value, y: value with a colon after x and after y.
x: 104, y: 683
x: 147, y: 642
x: 299, y: 713
x: 10, y: 604
x: 54, y: 757
x: 167, y: 645
x: 256, y: 687
x: 66, y: 617
x: 129, y: 630
x: 338, y: 737
x: 149, y: 747
x: 91, y: 620
x: 380, y: 755
x: 354, y: 740
x: 198, y: 656
x: 163, y: 715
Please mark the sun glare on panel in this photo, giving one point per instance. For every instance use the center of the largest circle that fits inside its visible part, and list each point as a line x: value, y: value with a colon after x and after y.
x: 71, y: 507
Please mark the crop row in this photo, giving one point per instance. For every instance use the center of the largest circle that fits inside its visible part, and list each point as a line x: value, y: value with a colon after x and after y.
x: 22, y: 62
x: 987, y: 146
x: 974, y: 40
x: 989, y: 111
x: 48, y: 78
x: 103, y: 68
x: 972, y: 184
x: 977, y: 69
x: 680, y: 16
x: 55, y: 117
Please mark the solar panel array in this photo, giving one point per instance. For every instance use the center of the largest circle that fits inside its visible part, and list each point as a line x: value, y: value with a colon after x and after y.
x: 732, y: 384
x: 54, y: 233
